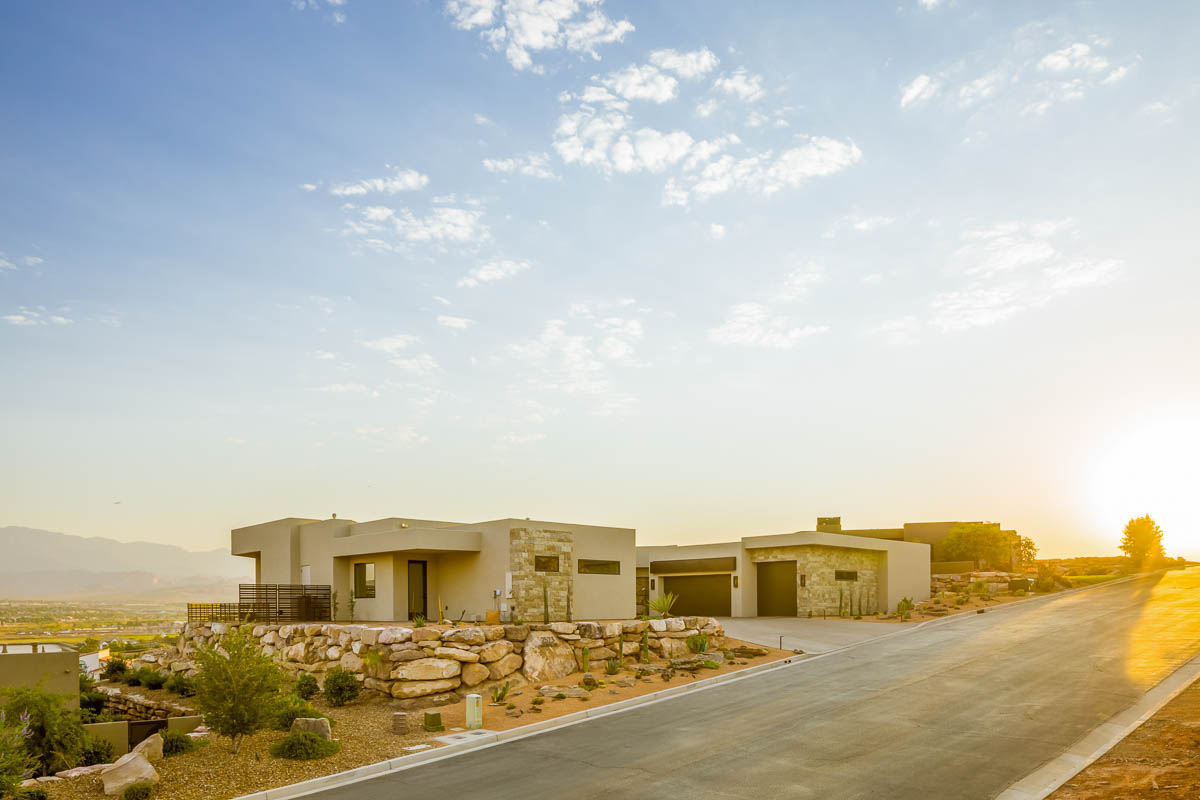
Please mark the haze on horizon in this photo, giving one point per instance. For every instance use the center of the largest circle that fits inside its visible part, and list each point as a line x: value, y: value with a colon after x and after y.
x: 703, y: 271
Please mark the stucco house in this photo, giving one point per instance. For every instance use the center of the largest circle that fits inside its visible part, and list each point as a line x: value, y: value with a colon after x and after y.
x: 398, y: 567
x: 787, y: 574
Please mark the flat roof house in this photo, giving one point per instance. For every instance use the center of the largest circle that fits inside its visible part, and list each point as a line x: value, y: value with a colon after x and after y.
x: 398, y: 567
x: 787, y: 574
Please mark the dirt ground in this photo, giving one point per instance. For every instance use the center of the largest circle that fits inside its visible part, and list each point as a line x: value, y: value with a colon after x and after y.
x: 922, y: 612
x: 364, y: 730
x: 1160, y: 760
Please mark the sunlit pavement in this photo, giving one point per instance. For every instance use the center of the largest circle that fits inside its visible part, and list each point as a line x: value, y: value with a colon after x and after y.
x: 809, y: 635
x: 956, y: 710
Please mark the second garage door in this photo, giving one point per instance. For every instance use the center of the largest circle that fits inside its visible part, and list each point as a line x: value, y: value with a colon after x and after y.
x: 700, y: 595
x: 776, y: 588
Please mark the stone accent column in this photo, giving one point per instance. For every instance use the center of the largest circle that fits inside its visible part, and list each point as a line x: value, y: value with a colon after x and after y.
x: 532, y: 588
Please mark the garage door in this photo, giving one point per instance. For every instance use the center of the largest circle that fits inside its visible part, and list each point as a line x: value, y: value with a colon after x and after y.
x: 777, y: 588
x: 700, y: 595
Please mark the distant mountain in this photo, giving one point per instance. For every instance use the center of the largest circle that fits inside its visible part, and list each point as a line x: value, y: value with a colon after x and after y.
x: 37, y: 564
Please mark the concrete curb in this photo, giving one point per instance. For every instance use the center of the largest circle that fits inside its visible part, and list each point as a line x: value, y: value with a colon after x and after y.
x: 401, y: 763
x: 1050, y: 776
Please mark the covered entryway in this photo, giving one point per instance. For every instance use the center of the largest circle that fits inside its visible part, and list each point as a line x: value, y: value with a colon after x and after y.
x: 776, y: 588
x: 701, y: 595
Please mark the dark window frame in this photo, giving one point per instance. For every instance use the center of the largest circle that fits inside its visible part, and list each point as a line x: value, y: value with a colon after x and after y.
x: 845, y: 575
x: 598, y: 566
x: 364, y: 588
x: 540, y: 564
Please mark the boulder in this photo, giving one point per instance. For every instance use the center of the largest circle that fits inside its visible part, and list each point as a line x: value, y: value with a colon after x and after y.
x: 748, y: 651
x: 658, y: 625
x: 426, y: 635
x: 634, y: 626
x: 675, y: 625
x: 351, y: 662
x: 547, y: 658
x: 494, y: 651
x: 563, y: 628
x: 456, y: 654
x: 504, y: 667
x: 129, y: 769
x: 333, y: 653
x: 371, y: 635
x: 407, y: 655
x: 150, y: 747
x: 403, y: 690
x: 473, y: 674
x: 425, y: 701
x: 395, y: 635
x: 220, y: 628
x: 377, y: 685
x: 494, y: 632
x: 589, y: 630
x: 465, y: 635
x: 674, y: 648
x: 569, y: 691
x: 516, y: 633
x: 296, y: 652
x: 426, y: 669
x: 317, y: 725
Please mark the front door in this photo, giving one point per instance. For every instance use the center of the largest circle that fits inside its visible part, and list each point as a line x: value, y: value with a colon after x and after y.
x: 417, y: 600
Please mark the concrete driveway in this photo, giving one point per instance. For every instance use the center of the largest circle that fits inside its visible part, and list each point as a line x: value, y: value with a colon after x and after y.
x: 809, y: 635
x: 960, y: 709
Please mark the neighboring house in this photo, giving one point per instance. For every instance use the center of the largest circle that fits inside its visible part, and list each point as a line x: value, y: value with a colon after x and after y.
x: 788, y: 574
x: 51, y: 667
x: 398, y: 568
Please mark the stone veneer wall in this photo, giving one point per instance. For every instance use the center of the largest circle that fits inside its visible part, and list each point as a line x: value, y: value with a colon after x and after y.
x: 435, y: 664
x: 819, y: 563
x: 529, y: 601
x: 137, y: 706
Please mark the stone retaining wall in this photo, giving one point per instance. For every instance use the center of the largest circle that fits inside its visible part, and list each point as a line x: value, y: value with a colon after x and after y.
x: 136, y: 706
x: 436, y: 663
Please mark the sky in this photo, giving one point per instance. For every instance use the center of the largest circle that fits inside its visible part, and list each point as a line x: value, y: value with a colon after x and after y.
x: 704, y: 269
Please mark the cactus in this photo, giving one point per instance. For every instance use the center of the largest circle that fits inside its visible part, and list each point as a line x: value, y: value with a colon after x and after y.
x: 585, y: 659
x: 645, y: 647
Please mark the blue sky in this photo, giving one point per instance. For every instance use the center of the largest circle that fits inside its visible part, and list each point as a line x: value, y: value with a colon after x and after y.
x: 703, y: 269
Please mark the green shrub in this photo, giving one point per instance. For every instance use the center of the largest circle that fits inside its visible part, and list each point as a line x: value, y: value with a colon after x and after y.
x: 612, y: 666
x: 138, y: 791
x: 289, y: 708
x: 32, y: 793
x: 176, y: 743
x: 341, y: 686
x: 54, y: 737
x: 86, y: 682
x: 236, y: 687
x: 710, y: 664
x: 151, y: 678
x: 418, y: 621
x: 91, y: 704
x: 303, y: 746
x: 537, y: 701
x: 16, y: 763
x: 306, y: 685
x: 96, y: 751
x: 698, y: 643
x: 180, y: 685
x: 664, y: 603
x: 1044, y: 582
x: 114, y: 669
x: 131, y: 677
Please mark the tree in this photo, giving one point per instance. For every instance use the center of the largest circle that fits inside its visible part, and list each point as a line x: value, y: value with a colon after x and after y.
x: 1026, y: 551
x: 981, y: 543
x: 237, y: 687
x: 1142, y: 540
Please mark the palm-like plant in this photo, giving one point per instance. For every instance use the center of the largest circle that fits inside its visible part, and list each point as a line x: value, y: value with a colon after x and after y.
x: 664, y: 603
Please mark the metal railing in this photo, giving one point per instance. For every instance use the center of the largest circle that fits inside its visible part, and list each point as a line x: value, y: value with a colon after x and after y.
x: 270, y: 603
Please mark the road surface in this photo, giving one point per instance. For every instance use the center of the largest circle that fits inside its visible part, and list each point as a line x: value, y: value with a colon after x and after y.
x: 960, y: 709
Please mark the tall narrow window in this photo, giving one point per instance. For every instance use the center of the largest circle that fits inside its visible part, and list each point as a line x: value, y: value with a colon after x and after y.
x: 305, y: 575
x: 364, y: 580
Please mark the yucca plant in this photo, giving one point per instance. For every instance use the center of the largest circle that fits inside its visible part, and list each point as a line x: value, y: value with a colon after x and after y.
x: 664, y: 603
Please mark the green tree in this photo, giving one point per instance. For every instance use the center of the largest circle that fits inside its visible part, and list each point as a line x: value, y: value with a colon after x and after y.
x: 1026, y: 551
x: 16, y: 764
x: 237, y: 687
x: 980, y: 542
x: 1142, y: 541
x: 54, y: 736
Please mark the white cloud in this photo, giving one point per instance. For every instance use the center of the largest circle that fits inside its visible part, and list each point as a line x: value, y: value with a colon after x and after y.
x: 858, y: 224
x: 455, y: 323
x: 706, y: 108
x: 348, y: 388
x: 897, y: 332
x: 981, y: 88
x: 441, y: 299
x: 754, y: 325
x: 929, y: 5
x: 534, y: 165
x: 1078, y: 56
x: 5, y: 264
x: 644, y: 82
x: 673, y: 194
x: 520, y: 28
x: 519, y: 438
x: 442, y: 225
x: 421, y: 364
x: 36, y: 317
x: 392, y: 344
x: 1156, y: 107
x: 921, y: 88
x: 691, y: 64
x: 820, y: 156
x: 388, y: 438
x: 492, y: 271
x: 324, y: 355
x: 480, y: 119
x: 403, y: 180
x: 798, y: 282
x: 1115, y: 76
x: 716, y: 231
x: 744, y: 86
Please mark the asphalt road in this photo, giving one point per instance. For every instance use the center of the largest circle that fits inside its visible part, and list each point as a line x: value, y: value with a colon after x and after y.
x: 961, y: 709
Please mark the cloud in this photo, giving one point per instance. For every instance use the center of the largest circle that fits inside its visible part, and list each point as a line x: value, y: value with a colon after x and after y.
x: 820, y: 156
x: 706, y: 108
x: 520, y: 28
x: 1115, y: 76
x: 858, y: 224
x: 1078, y: 56
x: 644, y: 82
x: 929, y: 5
x: 443, y: 224
x: 455, y: 323
x: 402, y: 180
x: 384, y: 438
x: 754, y: 325
x: 897, y: 332
x: 981, y: 88
x: 517, y: 439
x: 36, y: 317
x: 422, y: 364
x: 492, y: 271
x: 324, y: 355
x: 480, y: 119
x: 692, y: 64
x: 716, y: 231
x: 348, y: 388
x: 741, y: 84
x: 534, y: 165
x: 921, y: 88
x: 798, y: 282
x: 5, y: 264
x: 392, y: 344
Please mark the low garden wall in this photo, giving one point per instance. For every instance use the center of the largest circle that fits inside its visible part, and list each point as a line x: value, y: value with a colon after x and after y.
x: 137, y: 706
x: 434, y: 663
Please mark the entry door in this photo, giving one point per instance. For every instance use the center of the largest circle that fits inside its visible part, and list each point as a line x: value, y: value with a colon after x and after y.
x: 777, y: 588
x: 417, y: 598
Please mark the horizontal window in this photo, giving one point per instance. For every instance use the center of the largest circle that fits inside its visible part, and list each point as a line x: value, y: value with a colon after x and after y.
x: 364, y: 580
x: 845, y: 575
x: 592, y: 566
x: 545, y: 563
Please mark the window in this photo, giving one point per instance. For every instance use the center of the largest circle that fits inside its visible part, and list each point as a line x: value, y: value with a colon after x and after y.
x: 305, y: 575
x: 845, y: 575
x: 545, y: 563
x: 592, y: 566
x: 364, y: 580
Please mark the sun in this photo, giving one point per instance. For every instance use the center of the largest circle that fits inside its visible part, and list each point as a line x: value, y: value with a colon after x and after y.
x: 1151, y: 466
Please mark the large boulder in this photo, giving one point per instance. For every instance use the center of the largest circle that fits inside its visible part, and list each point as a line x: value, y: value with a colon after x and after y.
x: 456, y: 654
x: 395, y: 635
x: 465, y: 635
x: 129, y: 769
x: 473, y: 674
x: 350, y: 661
x: 674, y: 648
x: 403, y: 690
x: 547, y: 657
x: 150, y: 747
x: 425, y: 635
x: 426, y: 669
x: 317, y: 725
x: 504, y: 667
x: 494, y: 651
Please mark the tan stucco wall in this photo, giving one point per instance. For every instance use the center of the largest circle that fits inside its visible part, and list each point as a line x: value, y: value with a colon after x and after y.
x: 57, y: 673
x: 738, y: 598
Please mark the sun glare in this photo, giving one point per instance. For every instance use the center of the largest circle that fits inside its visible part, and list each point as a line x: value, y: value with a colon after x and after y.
x: 1151, y: 467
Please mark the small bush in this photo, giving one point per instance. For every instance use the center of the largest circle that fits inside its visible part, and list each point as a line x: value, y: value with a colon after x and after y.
x: 130, y: 677
x: 612, y: 666
x: 303, y: 746
x: 138, y: 791
x: 176, y: 743
x: 32, y: 793
x: 511, y: 706
x: 114, y: 669
x: 180, y: 685
x: 418, y: 621
x: 96, y: 751
x: 710, y: 664
x: 500, y: 692
x: 560, y: 696
x: 151, y: 678
x: 86, y: 683
x: 537, y: 701
x: 341, y: 686
x: 289, y: 708
x: 91, y: 704
x: 698, y: 643
x: 306, y: 686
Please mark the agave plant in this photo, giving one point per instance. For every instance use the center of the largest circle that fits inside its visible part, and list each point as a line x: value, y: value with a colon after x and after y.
x: 664, y: 603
